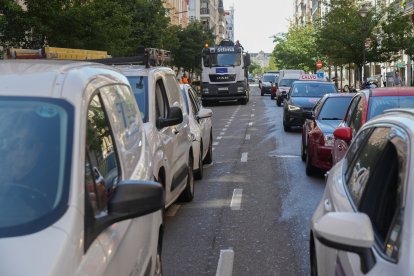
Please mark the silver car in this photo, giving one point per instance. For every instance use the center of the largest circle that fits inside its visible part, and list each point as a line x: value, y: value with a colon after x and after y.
x: 363, y: 224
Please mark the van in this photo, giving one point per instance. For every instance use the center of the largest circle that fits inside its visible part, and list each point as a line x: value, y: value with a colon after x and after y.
x: 282, y: 73
x: 285, y: 83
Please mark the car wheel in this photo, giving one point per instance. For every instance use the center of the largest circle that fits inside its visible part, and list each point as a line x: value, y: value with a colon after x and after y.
x: 302, y: 150
x: 209, y: 157
x: 261, y: 93
x: 243, y: 102
x: 309, y: 168
x: 198, y: 174
x: 313, y: 261
x: 158, y: 263
x: 278, y: 102
x: 286, y: 127
x: 188, y: 193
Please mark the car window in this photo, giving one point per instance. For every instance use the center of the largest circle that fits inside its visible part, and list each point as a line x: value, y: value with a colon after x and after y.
x: 187, y: 108
x: 354, y: 121
x: 269, y: 78
x: 376, y: 186
x: 161, y: 101
x: 312, y: 89
x: 287, y: 82
x: 99, y: 148
x: 377, y: 104
x: 36, y: 153
x: 197, y: 101
x: 334, y: 108
x: 139, y: 85
x: 193, y: 104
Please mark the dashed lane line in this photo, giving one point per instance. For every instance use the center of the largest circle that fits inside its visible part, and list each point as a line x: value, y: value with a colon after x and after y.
x: 225, y: 264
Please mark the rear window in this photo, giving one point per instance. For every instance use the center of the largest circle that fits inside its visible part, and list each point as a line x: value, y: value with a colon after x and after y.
x: 287, y: 82
x: 269, y: 78
x: 377, y: 105
x: 139, y: 85
x: 334, y: 108
x: 313, y: 89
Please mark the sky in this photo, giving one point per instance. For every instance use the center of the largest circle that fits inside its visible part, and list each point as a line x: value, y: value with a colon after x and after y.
x: 257, y: 21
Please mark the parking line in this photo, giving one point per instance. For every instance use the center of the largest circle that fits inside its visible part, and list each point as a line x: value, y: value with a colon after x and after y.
x: 215, y: 143
x: 227, y: 125
x: 225, y: 264
x: 244, y: 157
x: 252, y: 115
x: 221, y: 133
x: 224, y: 129
x: 235, y: 203
x: 251, y: 123
x: 219, y: 137
x: 247, y: 136
x: 172, y: 210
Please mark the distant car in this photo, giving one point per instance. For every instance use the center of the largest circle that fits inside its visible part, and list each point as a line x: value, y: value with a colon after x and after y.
x: 317, y: 131
x: 363, y: 223
x: 283, y: 88
x: 251, y: 78
x: 301, y: 99
x: 365, y: 105
x: 268, y: 81
x: 201, y: 130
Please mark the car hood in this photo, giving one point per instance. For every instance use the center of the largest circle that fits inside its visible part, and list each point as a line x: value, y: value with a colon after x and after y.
x: 328, y: 126
x: 304, y: 102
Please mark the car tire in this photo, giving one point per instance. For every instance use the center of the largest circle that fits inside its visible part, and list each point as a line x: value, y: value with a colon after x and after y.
x: 243, y: 102
x: 286, y: 127
x: 309, y: 168
x: 209, y: 157
x: 188, y: 194
x: 313, y: 260
x: 198, y: 174
x: 158, y: 262
x: 261, y: 93
x: 278, y: 102
x: 302, y: 150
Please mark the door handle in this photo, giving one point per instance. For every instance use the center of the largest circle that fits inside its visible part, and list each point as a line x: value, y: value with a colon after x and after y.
x: 327, y: 205
x: 176, y: 131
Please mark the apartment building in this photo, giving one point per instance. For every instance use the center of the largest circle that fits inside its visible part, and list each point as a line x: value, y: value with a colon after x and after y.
x: 302, y: 12
x: 229, y: 17
x: 178, y: 11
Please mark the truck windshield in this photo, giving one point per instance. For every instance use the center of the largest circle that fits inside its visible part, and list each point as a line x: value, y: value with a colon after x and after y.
x: 222, y: 59
x: 139, y: 85
x: 36, y: 150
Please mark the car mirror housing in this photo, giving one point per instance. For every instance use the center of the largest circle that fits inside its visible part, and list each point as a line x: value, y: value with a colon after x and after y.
x: 350, y: 232
x: 343, y: 133
x: 204, y: 113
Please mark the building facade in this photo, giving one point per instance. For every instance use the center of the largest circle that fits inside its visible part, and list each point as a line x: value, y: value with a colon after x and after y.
x: 229, y: 17
x: 178, y: 11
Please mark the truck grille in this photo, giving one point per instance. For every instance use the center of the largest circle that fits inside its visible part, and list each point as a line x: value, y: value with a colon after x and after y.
x: 222, y: 77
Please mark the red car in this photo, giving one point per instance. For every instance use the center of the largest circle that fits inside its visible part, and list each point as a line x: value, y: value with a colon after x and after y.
x: 365, y: 105
x: 317, y: 131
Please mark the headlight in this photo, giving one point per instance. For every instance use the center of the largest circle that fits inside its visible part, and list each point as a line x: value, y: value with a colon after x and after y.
x: 329, y: 140
x: 293, y: 107
x: 240, y: 89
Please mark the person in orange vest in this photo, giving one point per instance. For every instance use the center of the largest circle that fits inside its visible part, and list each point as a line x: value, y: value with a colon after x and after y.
x: 184, y: 79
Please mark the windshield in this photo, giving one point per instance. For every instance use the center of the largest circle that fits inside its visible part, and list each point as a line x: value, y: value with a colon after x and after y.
x: 377, y: 105
x: 334, y: 108
x: 269, y: 78
x: 222, y: 59
x: 312, y: 89
x: 287, y: 82
x: 36, y: 148
x: 139, y: 85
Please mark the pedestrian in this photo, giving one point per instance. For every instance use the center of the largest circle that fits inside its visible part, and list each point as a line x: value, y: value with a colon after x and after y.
x: 184, y: 79
x: 397, y: 79
x: 384, y: 79
x: 239, y: 45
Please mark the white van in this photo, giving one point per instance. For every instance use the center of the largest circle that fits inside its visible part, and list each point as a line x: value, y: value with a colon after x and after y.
x: 285, y: 83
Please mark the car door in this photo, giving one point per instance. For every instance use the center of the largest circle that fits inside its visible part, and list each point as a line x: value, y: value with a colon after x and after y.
x: 375, y: 177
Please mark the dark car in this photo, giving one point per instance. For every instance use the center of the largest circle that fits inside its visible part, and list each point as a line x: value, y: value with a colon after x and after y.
x: 317, y: 131
x: 365, y: 105
x: 268, y: 81
x: 301, y: 98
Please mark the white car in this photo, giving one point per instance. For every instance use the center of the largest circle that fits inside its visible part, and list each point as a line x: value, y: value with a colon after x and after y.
x: 201, y: 129
x: 76, y: 196
x: 364, y: 222
x: 166, y: 123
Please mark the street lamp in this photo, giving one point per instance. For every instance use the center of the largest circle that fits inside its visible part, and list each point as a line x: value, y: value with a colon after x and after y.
x: 363, y: 12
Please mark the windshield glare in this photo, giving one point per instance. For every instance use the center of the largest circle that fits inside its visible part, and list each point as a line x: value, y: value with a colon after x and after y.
x: 222, y: 59
x: 377, y: 105
x: 139, y: 85
x: 35, y: 146
x: 312, y: 89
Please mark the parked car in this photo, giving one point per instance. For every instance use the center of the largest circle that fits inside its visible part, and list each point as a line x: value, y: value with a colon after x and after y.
x: 61, y: 122
x: 201, y: 129
x: 365, y: 105
x: 283, y: 87
x: 317, y: 131
x: 166, y: 124
x: 268, y: 81
x: 301, y: 99
x: 363, y: 223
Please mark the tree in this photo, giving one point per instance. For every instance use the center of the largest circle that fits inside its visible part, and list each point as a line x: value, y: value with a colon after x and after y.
x: 296, y: 49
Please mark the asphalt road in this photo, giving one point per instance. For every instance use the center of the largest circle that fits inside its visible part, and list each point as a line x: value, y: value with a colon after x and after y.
x: 251, y: 211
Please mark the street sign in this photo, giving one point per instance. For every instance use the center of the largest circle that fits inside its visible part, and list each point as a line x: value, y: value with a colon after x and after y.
x: 320, y: 75
x: 319, y: 64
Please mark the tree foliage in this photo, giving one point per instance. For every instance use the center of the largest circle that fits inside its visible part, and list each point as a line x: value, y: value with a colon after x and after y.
x: 296, y: 49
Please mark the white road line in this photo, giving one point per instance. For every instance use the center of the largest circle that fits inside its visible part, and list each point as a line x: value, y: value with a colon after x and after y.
x: 252, y: 115
x: 244, y: 157
x: 221, y: 133
x: 172, y: 210
x: 236, y: 199
x: 213, y: 148
x: 251, y: 123
x: 287, y: 156
x: 225, y: 264
x: 253, y: 109
x: 227, y: 125
x: 247, y: 136
x: 219, y: 137
x: 215, y: 143
x: 224, y: 129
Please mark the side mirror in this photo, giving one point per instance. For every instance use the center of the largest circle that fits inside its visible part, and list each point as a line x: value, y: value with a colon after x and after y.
x: 309, y: 115
x: 343, y: 133
x: 204, y: 113
x: 175, y: 117
x: 348, y: 231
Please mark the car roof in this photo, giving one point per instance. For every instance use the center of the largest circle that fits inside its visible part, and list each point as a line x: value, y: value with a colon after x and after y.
x: 403, y: 117
x: 339, y: 95
x: 392, y: 91
x: 52, y: 78
x: 312, y: 81
x: 139, y: 70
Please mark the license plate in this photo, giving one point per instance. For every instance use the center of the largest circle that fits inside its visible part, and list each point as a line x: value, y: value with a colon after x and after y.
x: 223, y: 88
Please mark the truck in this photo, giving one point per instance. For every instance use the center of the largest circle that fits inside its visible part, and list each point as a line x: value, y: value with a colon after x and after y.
x: 224, y: 73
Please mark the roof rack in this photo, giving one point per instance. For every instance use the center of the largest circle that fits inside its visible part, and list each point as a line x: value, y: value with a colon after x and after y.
x: 149, y: 57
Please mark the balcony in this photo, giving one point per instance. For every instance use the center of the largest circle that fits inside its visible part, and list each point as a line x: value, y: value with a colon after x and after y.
x: 405, y: 6
x: 204, y: 11
x: 220, y: 7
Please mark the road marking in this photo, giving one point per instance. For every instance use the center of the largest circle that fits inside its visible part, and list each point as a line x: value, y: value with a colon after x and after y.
x: 213, y: 149
x: 285, y: 156
x: 218, y: 137
x: 244, y: 157
x: 227, y: 125
x: 251, y: 123
x: 215, y: 143
x: 172, y: 210
x: 236, y: 199
x: 225, y: 264
x: 247, y: 136
x: 253, y: 109
x: 221, y: 133
x: 252, y: 115
x: 224, y: 129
